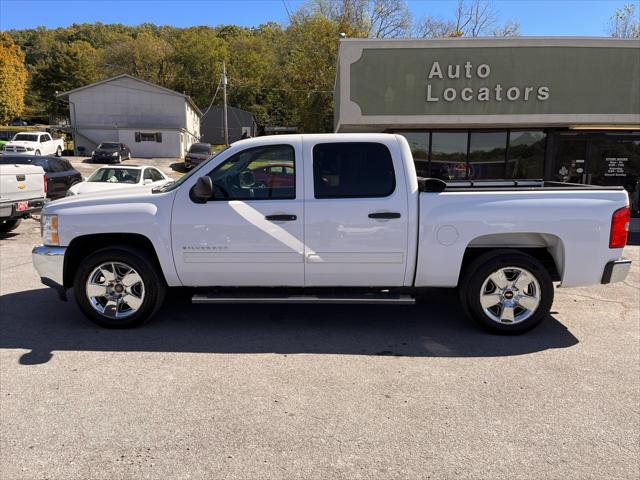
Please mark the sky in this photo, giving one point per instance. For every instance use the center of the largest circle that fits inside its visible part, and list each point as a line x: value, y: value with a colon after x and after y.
x: 536, y: 17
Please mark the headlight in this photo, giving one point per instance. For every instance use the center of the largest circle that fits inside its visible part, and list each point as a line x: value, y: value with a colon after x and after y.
x: 114, y: 154
x: 30, y: 149
x: 49, y: 229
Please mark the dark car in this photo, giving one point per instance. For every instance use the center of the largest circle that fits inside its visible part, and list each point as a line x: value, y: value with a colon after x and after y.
x: 108, y: 152
x: 198, y: 153
x: 58, y: 172
x: 275, y: 175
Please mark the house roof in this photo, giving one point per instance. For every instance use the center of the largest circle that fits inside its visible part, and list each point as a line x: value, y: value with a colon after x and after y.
x: 65, y: 95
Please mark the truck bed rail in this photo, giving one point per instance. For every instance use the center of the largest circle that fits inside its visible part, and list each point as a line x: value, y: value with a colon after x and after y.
x: 435, y: 185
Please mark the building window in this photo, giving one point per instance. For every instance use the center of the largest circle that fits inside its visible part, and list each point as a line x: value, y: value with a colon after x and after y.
x: 352, y: 170
x: 419, y: 144
x: 449, y: 155
x: 148, y: 137
x: 487, y: 155
x: 526, y: 154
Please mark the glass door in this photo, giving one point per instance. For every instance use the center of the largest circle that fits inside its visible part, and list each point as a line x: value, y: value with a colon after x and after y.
x: 615, y: 160
x: 569, y: 161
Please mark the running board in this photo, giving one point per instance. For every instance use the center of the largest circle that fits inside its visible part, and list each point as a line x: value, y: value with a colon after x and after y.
x: 305, y: 299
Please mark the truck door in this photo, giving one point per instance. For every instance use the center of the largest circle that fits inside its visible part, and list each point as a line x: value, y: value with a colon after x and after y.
x: 356, y: 214
x: 251, y: 232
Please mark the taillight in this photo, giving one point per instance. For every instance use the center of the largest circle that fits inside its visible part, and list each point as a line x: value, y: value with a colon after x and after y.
x: 619, y: 227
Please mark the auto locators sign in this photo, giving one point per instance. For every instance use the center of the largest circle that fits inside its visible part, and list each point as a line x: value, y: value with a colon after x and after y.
x: 437, y: 89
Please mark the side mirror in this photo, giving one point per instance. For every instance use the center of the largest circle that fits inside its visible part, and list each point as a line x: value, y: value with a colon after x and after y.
x: 202, y: 191
x: 147, y: 181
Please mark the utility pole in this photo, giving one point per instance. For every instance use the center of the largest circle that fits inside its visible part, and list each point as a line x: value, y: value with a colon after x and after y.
x: 224, y: 108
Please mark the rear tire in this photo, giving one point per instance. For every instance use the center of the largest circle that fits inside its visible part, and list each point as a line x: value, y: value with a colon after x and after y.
x: 7, y: 226
x: 37, y: 153
x: 58, y: 152
x: 507, y: 292
x: 119, y: 287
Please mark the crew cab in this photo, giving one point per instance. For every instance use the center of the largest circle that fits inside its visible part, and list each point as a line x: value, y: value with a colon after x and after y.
x: 22, y: 192
x: 355, y: 226
x: 35, y: 143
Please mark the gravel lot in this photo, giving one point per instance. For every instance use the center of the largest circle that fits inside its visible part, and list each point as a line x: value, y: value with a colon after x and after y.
x: 279, y: 392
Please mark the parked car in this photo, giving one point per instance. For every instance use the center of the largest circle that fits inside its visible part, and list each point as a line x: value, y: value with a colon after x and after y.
x: 22, y: 191
x: 18, y: 123
x: 275, y: 175
x: 198, y: 153
x: 358, y: 226
x: 111, y: 152
x: 35, y: 143
x: 118, y: 178
x: 59, y: 173
x: 5, y: 136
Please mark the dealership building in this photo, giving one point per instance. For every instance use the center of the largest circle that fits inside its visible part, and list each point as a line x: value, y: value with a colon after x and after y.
x: 563, y: 109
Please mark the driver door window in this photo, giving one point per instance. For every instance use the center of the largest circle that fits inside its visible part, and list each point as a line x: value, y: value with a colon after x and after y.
x: 262, y: 173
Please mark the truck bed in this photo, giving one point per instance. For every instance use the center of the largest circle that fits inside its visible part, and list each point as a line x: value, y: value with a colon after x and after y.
x: 526, y: 214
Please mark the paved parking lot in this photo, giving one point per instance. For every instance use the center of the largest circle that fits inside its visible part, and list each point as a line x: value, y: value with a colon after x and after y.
x: 278, y: 392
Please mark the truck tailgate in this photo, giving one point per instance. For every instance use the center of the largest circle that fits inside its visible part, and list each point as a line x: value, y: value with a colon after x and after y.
x: 21, y: 182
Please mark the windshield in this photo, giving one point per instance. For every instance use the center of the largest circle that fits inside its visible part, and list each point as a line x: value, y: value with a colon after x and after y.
x: 173, y: 185
x: 26, y: 137
x: 115, y: 175
x: 200, y: 148
x: 108, y: 146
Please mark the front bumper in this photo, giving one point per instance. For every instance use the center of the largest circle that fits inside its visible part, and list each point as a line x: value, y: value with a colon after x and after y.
x: 104, y: 158
x: 49, y: 263
x: 616, y: 270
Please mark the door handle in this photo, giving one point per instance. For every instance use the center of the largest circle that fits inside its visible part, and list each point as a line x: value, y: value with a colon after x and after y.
x: 384, y: 215
x: 281, y: 218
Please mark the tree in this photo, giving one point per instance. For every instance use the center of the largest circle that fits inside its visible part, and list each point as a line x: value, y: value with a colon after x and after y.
x: 73, y: 66
x: 197, y: 60
x: 13, y: 79
x: 471, y: 18
x: 310, y: 70
x: 366, y: 18
x: 146, y: 56
x: 624, y: 22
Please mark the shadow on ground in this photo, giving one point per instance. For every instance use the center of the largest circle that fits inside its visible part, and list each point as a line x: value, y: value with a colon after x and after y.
x: 36, y: 320
x: 178, y: 167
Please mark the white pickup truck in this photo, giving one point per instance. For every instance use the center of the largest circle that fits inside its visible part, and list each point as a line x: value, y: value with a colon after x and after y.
x: 22, y: 192
x: 35, y: 143
x: 334, y: 218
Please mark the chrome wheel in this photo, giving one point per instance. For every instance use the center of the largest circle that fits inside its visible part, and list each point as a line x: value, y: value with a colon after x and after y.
x: 115, y: 290
x: 510, y: 295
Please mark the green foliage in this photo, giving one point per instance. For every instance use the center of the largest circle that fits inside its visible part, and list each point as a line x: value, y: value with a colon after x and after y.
x: 13, y: 79
x: 283, y: 75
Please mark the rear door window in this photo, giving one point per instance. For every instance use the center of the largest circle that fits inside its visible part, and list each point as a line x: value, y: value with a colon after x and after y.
x: 352, y: 170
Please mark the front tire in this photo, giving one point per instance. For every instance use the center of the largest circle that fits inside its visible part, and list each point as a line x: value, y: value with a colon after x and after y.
x: 37, y: 153
x: 507, y: 292
x: 7, y: 226
x: 58, y: 152
x: 119, y: 287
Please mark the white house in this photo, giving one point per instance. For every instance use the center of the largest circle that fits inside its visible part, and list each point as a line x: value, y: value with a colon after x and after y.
x: 151, y: 120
